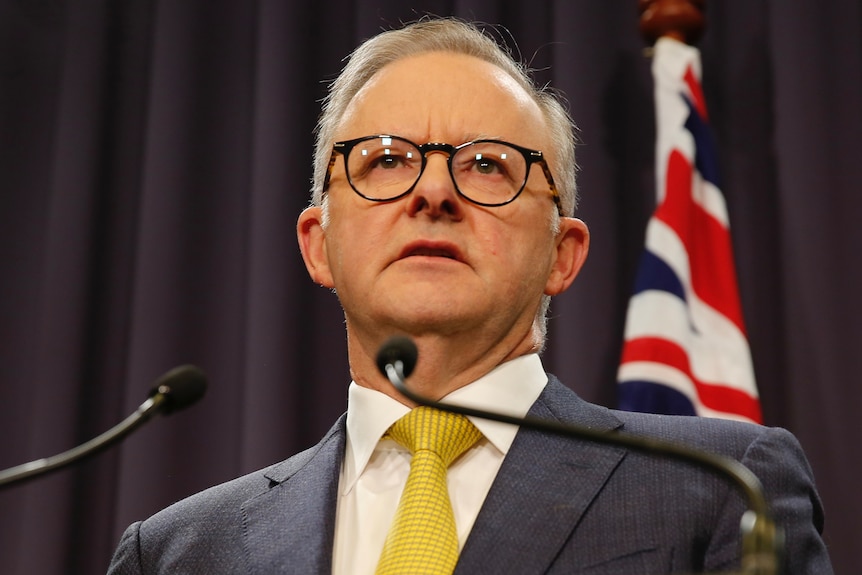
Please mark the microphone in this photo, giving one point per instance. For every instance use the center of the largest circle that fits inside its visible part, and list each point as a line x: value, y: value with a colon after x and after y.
x: 175, y: 390
x: 762, y: 540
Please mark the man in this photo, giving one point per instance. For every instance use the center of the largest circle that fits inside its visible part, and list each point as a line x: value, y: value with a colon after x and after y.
x: 442, y: 204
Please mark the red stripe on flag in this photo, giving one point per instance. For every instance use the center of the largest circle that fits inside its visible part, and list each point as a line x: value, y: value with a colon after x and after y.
x: 707, y: 241
x: 714, y: 396
x: 696, y: 92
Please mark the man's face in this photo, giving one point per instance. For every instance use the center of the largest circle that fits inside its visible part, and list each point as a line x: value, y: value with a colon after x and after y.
x: 432, y: 262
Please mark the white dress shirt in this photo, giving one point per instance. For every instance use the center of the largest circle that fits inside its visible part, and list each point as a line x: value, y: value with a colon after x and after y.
x: 374, y: 471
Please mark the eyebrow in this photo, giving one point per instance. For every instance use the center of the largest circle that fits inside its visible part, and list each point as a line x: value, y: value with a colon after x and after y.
x: 470, y: 137
x: 482, y: 136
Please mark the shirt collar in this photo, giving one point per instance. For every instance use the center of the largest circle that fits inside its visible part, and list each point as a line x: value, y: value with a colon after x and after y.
x: 511, y: 388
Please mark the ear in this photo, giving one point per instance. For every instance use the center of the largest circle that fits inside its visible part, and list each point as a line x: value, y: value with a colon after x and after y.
x: 573, y: 243
x: 312, y: 244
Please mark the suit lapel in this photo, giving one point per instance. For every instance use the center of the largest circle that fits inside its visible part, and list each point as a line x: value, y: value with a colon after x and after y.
x: 290, y: 527
x: 544, y: 487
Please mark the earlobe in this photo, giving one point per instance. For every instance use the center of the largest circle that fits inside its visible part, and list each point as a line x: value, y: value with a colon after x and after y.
x: 312, y: 245
x: 573, y: 243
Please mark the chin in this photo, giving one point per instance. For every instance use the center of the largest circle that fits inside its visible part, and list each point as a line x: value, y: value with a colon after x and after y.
x: 431, y: 319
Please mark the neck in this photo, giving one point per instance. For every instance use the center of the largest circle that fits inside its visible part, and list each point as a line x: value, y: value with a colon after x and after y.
x: 446, y: 363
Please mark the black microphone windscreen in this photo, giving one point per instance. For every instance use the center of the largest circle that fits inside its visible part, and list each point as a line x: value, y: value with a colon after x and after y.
x: 398, y: 348
x: 181, y: 386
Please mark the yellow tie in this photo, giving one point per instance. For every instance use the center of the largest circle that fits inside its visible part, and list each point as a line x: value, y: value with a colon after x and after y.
x: 422, y: 539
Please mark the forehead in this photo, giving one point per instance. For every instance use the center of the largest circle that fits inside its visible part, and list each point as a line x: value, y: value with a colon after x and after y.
x: 442, y: 96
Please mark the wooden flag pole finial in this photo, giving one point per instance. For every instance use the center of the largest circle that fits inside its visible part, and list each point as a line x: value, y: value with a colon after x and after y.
x: 680, y: 19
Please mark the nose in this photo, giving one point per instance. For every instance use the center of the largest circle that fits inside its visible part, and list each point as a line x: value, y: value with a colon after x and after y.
x: 434, y: 193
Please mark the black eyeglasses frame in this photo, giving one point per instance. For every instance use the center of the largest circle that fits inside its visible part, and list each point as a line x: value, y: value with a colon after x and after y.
x: 530, y: 157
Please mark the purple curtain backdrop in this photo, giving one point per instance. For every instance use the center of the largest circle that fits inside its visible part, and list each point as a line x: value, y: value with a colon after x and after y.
x: 154, y: 157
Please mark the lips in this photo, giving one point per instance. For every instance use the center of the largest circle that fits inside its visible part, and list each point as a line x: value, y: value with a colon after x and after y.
x: 431, y: 249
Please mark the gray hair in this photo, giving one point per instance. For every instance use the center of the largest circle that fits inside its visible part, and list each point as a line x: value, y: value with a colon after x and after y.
x: 445, y: 35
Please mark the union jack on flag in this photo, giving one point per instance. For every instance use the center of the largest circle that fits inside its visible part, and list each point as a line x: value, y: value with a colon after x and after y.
x: 685, y: 350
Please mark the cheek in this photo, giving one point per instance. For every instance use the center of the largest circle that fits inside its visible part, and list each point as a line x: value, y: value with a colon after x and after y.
x: 353, y: 243
x: 528, y: 254
x: 510, y: 259
x: 493, y: 249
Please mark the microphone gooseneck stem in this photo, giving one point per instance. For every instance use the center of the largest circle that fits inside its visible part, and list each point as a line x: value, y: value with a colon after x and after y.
x: 761, y: 539
x: 175, y: 390
x: 45, y: 465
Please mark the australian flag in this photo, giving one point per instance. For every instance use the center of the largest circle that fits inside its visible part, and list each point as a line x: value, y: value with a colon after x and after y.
x: 685, y: 350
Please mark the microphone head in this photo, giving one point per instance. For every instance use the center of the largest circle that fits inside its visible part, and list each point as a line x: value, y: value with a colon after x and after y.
x: 398, y: 348
x: 181, y: 387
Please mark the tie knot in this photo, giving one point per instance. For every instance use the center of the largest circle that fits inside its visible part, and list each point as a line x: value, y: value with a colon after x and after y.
x: 446, y: 434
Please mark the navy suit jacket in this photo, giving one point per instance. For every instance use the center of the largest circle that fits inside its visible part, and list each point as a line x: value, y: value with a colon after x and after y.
x: 558, y: 505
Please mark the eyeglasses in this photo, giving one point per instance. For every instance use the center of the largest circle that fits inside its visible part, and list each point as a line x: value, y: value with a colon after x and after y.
x: 486, y: 172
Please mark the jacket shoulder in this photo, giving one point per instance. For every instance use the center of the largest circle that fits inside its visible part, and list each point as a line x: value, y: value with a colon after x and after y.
x: 227, y: 496
x: 211, y: 526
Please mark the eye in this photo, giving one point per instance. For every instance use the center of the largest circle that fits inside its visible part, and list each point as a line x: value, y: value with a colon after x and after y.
x: 487, y: 166
x: 388, y: 155
x: 483, y: 163
x: 379, y: 165
x: 388, y: 161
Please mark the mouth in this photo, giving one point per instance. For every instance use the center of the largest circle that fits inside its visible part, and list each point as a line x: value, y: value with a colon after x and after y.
x: 431, y: 250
